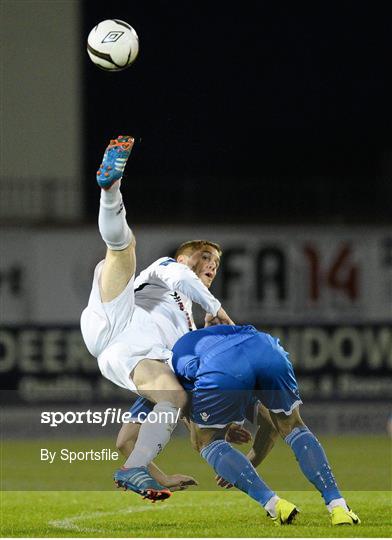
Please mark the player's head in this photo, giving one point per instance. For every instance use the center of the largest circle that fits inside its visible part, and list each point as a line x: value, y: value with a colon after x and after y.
x: 201, y: 256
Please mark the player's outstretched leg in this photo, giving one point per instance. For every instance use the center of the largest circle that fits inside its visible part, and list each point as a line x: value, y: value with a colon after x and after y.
x: 120, y: 260
x: 139, y: 480
x: 235, y: 468
x: 314, y: 465
x: 112, y: 217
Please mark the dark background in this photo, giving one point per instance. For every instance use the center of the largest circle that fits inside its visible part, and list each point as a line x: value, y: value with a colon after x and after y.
x: 254, y: 112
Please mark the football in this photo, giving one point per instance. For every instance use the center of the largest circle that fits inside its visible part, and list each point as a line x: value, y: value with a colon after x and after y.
x: 113, y: 45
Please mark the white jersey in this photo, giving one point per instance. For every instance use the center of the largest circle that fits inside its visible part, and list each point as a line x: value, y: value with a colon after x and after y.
x: 145, y: 319
x: 166, y: 290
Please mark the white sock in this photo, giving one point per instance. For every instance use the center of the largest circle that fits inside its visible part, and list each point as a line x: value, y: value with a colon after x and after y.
x: 270, y: 506
x: 112, y: 219
x: 154, y: 434
x: 337, y: 502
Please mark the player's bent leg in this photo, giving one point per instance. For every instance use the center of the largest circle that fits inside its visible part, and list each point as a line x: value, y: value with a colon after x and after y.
x: 309, y: 453
x: 236, y: 469
x: 155, y: 381
x: 314, y: 464
x: 141, y: 480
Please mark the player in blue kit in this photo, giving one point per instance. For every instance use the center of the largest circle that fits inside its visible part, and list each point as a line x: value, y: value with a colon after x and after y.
x: 223, y: 368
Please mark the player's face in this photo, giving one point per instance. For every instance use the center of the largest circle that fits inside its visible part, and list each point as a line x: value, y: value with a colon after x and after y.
x: 205, y: 264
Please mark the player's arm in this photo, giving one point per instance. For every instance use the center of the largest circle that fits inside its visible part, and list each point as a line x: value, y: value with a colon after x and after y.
x: 238, y: 434
x: 178, y: 277
x: 220, y: 318
x: 265, y: 437
x: 175, y: 482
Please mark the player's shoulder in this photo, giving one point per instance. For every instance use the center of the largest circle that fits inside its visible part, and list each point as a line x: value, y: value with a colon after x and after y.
x: 161, y: 262
x: 164, y: 261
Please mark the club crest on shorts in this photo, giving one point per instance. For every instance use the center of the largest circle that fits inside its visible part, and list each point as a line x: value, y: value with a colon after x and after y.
x: 204, y: 416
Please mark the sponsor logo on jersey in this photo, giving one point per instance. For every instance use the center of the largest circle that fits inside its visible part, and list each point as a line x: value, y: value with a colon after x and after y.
x: 204, y: 416
x: 180, y: 304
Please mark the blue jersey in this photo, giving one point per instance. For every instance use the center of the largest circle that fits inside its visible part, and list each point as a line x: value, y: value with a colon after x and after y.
x: 193, y: 352
x: 224, y: 367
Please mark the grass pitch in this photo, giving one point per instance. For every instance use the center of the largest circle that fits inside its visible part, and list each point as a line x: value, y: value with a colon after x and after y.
x: 362, y: 466
x: 197, y: 514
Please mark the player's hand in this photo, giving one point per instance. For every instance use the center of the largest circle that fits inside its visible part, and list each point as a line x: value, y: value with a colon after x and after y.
x: 220, y: 318
x: 179, y: 482
x: 238, y: 435
x: 221, y: 482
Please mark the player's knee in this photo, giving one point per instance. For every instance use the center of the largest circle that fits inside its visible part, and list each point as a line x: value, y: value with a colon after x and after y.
x: 286, y: 423
x: 286, y: 429
x: 177, y: 397
x: 202, y: 438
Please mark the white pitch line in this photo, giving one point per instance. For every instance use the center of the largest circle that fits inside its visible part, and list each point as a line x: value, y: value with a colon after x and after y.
x: 70, y: 523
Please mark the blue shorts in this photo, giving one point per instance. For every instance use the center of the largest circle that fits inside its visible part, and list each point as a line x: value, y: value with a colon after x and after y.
x: 231, y: 371
x: 218, y: 408
x: 142, y: 406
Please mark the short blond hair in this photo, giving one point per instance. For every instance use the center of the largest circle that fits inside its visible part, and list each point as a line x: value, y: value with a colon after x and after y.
x: 187, y: 248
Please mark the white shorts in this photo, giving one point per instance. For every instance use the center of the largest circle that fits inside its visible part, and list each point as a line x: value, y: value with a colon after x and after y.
x: 120, y: 334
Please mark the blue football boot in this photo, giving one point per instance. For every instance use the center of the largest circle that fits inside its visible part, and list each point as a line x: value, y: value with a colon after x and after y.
x: 139, y: 480
x: 114, y: 161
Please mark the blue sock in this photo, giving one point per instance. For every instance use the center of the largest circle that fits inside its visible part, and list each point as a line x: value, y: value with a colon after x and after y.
x: 313, y: 462
x: 236, y: 468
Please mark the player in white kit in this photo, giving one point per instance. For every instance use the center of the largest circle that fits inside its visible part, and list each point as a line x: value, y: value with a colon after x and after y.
x: 131, y: 325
